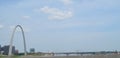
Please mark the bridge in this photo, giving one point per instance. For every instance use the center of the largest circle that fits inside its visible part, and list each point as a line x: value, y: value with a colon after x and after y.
x: 81, y: 53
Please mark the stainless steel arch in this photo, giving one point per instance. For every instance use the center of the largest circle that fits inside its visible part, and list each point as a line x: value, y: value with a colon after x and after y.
x: 11, y: 41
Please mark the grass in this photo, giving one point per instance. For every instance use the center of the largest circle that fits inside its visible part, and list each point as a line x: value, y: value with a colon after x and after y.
x: 10, y: 57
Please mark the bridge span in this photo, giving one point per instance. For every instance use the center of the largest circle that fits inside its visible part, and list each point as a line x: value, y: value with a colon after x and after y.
x: 82, y: 56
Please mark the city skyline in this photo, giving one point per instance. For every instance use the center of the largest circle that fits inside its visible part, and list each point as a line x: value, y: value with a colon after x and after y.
x: 62, y: 25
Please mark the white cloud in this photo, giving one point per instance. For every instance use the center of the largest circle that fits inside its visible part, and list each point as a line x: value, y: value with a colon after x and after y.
x: 55, y: 13
x: 1, y: 26
x: 26, y: 17
x: 67, y: 2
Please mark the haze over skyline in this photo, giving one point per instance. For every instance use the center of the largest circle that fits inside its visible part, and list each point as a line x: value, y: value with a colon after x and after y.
x: 62, y: 25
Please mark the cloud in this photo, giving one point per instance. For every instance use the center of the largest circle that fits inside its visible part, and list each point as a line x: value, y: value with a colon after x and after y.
x: 67, y: 2
x: 57, y: 14
x: 26, y: 17
x: 1, y: 26
x: 19, y: 30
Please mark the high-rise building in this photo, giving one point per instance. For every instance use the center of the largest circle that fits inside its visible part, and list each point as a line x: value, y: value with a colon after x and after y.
x: 32, y: 50
x: 0, y: 49
x: 5, y: 50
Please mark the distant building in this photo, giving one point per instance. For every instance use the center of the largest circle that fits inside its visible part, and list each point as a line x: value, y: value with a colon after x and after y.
x: 5, y: 50
x: 0, y: 49
x: 16, y: 52
x: 32, y: 50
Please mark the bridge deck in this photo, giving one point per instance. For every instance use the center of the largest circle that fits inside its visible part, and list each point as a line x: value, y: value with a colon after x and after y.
x: 89, y: 56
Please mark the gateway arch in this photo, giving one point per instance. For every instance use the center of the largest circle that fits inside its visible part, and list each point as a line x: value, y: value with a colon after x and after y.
x: 11, y: 41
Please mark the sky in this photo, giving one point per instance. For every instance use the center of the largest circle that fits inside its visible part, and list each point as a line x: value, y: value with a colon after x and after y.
x: 61, y: 25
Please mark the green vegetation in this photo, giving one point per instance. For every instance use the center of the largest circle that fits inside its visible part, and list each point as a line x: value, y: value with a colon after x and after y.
x: 10, y: 57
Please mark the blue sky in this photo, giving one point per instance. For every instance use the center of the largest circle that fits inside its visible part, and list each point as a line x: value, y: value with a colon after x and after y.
x: 62, y: 25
